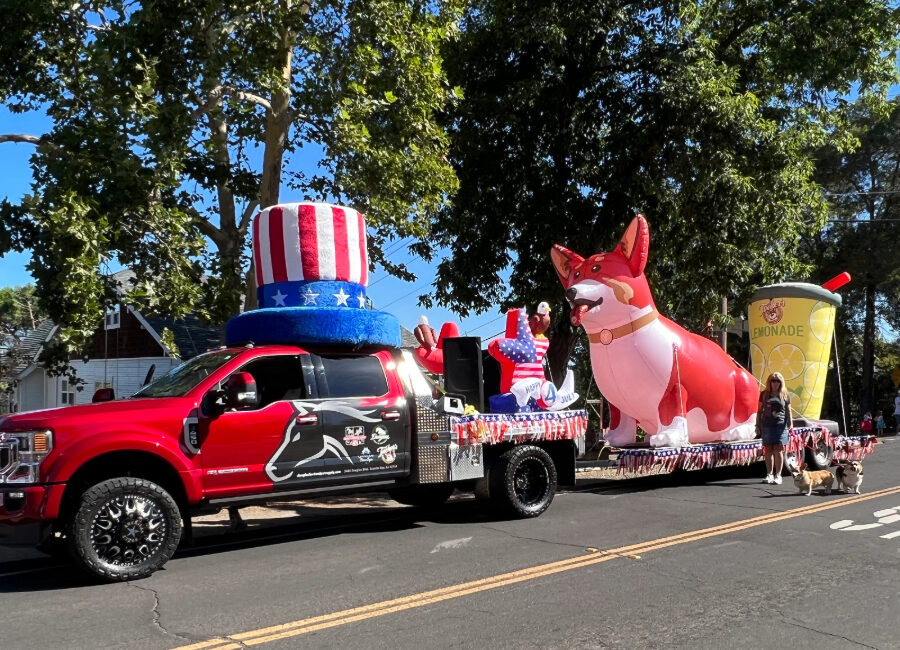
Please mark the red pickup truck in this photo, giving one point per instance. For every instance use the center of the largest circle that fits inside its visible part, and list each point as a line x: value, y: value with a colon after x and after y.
x: 119, y: 481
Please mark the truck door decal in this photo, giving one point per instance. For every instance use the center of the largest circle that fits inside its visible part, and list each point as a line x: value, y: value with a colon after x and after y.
x: 293, y: 439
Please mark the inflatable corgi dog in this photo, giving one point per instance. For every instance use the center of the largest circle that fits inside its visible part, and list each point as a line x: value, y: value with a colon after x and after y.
x: 679, y: 387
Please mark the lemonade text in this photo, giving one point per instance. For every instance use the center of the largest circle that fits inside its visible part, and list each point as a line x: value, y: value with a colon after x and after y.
x: 779, y: 330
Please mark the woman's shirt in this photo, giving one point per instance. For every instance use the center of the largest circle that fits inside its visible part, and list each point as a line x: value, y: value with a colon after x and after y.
x: 774, y: 410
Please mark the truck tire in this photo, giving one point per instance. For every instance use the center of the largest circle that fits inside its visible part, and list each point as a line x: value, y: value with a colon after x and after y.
x: 124, y: 529
x: 523, y: 481
x: 422, y: 496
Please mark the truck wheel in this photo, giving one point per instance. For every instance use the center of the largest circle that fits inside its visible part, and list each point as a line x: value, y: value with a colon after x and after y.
x: 422, y: 496
x: 820, y: 456
x: 124, y: 529
x: 523, y: 481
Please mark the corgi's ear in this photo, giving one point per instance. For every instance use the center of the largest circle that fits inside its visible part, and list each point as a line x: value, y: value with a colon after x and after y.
x: 635, y: 244
x: 563, y: 261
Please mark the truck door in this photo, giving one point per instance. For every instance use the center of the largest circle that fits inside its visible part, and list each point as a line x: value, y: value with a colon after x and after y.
x: 240, y: 449
x: 365, y: 416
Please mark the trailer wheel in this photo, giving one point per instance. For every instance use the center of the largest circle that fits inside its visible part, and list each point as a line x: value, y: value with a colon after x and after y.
x: 819, y: 457
x: 422, y: 496
x: 124, y: 529
x: 523, y: 481
x: 791, y: 462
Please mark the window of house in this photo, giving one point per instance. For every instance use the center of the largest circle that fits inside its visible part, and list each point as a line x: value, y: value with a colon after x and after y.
x: 354, y: 376
x: 102, y: 384
x: 113, y: 317
x: 66, y: 392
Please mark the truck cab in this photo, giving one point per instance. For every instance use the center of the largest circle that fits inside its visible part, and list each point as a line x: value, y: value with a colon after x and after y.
x: 117, y: 482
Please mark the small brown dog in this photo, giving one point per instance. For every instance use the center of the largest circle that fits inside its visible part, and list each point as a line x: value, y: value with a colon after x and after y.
x: 806, y: 480
x: 849, y: 476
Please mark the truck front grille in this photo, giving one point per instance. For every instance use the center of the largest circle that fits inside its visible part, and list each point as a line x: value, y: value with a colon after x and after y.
x: 9, y: 455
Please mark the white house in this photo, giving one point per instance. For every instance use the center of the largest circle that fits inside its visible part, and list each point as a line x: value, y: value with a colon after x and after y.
x: 124, y: 351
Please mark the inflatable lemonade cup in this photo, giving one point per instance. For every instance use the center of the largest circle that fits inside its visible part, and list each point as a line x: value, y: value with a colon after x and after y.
x: 791, y: 328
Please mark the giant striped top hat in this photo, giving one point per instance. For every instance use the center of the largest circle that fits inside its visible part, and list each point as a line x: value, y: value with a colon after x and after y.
x: 311, y: 269
x: 310, y: 254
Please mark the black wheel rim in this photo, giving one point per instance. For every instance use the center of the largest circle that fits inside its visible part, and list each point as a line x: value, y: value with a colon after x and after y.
x: 530, y: 482
x: 128, y: 530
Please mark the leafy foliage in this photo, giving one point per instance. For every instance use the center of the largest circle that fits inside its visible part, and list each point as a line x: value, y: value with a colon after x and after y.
x: 19, y: 314
x: 863, y: 189
x: 703, y: 116
x: 172, y: 121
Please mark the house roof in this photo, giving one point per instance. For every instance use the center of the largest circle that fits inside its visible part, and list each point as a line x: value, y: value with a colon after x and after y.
x: 191, y: 336
x: 27, y: 350
x: 407, y: 339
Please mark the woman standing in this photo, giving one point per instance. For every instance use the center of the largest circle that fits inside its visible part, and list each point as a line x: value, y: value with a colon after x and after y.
x: 774, y: 416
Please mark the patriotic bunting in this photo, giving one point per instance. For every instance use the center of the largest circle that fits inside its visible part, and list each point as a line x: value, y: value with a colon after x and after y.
x: 493, y: 428
x: 645, y: 460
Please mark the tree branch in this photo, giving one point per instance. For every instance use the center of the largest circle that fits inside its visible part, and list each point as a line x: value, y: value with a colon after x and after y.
x: 246, y: 215
x: 221, y: 91
x: 22, y: 137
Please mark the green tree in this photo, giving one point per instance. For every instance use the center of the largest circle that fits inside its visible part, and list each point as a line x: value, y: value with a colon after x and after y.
x: 173, y: 120
x: 701, y: 115
x: 863, y: 189
x: 20, y: 313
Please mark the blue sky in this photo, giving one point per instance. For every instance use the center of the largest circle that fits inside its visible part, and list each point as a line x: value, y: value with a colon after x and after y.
x: 388, y: 293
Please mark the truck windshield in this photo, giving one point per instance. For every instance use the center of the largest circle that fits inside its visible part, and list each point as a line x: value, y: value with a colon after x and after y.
x: 183, y: 378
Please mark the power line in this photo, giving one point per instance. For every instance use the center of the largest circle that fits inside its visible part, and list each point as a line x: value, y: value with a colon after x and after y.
x: 421, y: 286
x: 493, y: 320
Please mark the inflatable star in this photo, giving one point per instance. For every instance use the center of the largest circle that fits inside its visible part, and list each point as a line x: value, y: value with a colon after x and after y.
x: 520, y: 354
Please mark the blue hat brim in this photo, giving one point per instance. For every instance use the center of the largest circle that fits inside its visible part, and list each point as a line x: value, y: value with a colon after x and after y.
x: 314, y: 326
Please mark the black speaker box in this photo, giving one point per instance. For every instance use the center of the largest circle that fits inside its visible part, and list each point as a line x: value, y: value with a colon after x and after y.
x: 462, y: 369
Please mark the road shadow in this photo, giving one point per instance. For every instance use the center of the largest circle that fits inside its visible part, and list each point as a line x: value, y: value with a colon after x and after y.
x: 724, y: 476
x: 303, y: 523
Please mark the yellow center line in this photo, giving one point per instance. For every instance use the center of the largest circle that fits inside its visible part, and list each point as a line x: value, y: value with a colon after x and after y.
x: 344, y: 617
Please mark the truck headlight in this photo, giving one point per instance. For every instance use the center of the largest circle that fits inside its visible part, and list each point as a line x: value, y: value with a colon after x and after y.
x: 21, y: 453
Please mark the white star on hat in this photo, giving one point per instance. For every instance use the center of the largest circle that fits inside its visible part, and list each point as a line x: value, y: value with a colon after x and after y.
x: 279, y: 299
x: 341, y: 297
x: 362, y: 300
x: 310, y: 297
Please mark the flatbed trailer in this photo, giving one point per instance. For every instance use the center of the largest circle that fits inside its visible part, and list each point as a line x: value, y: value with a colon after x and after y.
x: 815, y: 445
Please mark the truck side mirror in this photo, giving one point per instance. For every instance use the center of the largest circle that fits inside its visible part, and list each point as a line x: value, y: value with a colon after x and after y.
x: 104, y: 395
x: 240, y: 392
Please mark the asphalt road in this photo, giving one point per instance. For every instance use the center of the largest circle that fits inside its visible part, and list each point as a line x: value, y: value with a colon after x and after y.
x: 711, y: 559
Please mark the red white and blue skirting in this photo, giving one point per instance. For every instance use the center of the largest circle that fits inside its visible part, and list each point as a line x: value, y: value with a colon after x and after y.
x: 645, y: 460
x: 494, y: 428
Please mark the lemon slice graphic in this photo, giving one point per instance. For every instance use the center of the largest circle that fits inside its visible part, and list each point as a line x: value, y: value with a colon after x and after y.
x: 814, y: 378
x: 821, y: 321
x: 787, y: 359
x: 757, y: 362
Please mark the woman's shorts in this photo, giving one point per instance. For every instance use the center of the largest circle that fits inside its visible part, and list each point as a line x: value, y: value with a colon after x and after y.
x: 774, y: 435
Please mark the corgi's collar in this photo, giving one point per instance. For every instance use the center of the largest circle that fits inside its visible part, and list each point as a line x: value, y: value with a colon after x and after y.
x: 606, y: 337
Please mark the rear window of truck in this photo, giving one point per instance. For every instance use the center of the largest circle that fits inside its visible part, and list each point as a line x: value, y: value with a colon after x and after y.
x: 352, y: 376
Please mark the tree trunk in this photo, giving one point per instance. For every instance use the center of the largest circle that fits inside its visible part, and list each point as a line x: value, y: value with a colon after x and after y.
x: 561, y: 345
x: 867, y: 386
x: 278, y: 122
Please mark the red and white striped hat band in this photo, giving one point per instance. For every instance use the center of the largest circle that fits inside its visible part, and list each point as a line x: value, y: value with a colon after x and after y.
x: 295, y: 244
